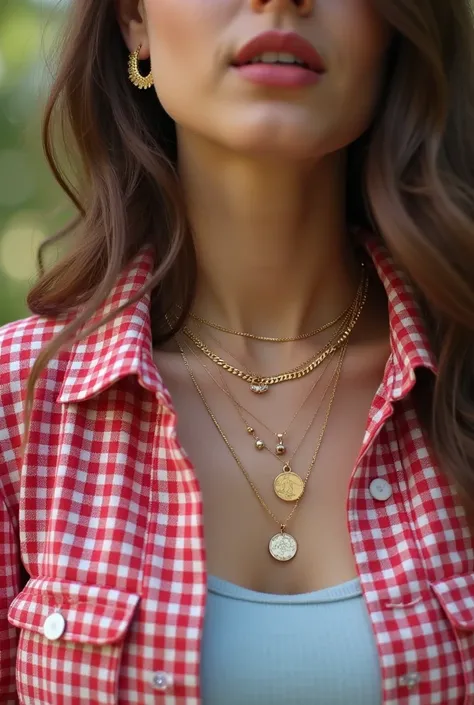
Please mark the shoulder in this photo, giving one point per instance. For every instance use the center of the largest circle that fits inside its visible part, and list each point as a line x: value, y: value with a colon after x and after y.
x: 21, y: 342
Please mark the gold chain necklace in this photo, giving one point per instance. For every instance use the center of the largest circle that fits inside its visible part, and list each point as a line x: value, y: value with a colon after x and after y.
x: 282, y: 546
x: 220, y: 345
x: 348, y: 323
x: 260, y: 445
x: 288, y: 485
x: 261, y: 384
x: 266, y: 339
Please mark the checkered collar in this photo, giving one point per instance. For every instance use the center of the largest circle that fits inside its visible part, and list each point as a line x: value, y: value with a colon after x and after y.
x: 408, y: 336
x: 120, y: 348
x: 123, y: 346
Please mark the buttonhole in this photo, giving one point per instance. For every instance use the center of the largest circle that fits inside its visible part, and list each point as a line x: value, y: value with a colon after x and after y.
x: 403, y: 604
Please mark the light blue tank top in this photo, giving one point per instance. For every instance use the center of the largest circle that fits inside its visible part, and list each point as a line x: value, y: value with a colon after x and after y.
x: 316, y: 648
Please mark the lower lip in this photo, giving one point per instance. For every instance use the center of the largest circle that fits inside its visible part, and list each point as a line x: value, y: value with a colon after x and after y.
x: 278, y: 75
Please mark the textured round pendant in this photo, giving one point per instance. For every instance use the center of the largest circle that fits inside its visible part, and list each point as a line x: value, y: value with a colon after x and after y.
x: 288, y: 485
x: 283, y: 547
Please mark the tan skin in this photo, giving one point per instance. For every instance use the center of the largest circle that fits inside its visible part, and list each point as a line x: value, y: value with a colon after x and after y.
x: 263, y: 171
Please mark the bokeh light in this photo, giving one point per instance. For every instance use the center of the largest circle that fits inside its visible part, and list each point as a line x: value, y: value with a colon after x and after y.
x: 31, y: 204
x: 20, y: 36
x: 19, y: 246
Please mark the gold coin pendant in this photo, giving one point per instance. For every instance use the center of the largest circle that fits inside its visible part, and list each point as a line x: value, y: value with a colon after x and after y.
x: 283, y: 547
x: 288, y: 485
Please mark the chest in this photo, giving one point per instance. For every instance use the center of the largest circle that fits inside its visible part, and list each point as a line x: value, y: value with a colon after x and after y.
x: 237, y: 470
x: 117, y: 544
x: 242, y: 511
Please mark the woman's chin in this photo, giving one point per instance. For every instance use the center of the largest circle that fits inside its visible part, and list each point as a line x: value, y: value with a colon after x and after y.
x: 290, y: 141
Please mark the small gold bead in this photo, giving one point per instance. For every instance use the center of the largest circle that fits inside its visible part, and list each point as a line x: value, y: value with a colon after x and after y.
x: 250, y: 429
x: 260, y: 445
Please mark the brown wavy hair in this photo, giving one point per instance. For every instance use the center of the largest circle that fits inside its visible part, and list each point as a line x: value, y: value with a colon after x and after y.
x: 410, y: 178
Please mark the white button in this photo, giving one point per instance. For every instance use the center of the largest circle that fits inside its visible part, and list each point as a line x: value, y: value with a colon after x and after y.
x: 162, y: 681
x: 380, y: 489
x: 54, y: 626
x: 409, y: 680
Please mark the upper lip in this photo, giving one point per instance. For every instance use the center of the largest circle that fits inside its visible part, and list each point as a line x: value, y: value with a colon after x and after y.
x: 280, y: 42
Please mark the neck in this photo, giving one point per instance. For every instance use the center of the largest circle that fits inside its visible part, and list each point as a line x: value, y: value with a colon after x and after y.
x: 271, y: 239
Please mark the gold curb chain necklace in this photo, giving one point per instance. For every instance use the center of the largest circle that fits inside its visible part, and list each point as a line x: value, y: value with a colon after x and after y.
x: 339, y: 331
x: 261, y: 384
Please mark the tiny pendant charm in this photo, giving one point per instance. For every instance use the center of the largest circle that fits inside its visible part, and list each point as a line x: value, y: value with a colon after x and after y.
x: 283, y: 547
x: 259, y: 388
x: 281, y: 448
x: 288, y: 486
x: 259, y: 444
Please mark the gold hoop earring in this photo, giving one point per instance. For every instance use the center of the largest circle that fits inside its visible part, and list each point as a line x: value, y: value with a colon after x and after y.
x: 141, y: 82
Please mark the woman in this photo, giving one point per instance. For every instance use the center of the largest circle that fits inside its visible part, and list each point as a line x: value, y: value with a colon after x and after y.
x: 247, y: 465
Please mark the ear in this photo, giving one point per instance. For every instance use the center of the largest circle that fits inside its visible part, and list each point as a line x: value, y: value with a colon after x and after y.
x: 131, y: 16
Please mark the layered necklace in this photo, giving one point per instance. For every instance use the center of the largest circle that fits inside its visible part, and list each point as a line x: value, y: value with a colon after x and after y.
x: 288, y: 485
x: 282, y: 545
x: 260, y: 384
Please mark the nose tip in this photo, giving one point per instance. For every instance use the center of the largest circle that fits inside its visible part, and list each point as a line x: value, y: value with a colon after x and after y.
x: 303, y: 7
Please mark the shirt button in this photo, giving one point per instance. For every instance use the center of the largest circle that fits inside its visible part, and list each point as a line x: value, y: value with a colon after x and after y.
x: 54, y: 626
x: 409, y: 680
x: 380, y: 489
x: 162, y: 681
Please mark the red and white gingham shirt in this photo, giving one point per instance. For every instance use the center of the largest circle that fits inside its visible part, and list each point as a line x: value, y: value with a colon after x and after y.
x: 105, y: 512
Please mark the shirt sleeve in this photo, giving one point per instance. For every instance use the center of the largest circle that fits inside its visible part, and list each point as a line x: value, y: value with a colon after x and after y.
x: 9, y: 588
x: 11, y: 570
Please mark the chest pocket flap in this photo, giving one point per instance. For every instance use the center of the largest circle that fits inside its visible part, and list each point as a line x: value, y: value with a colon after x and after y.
x: 92, y: 614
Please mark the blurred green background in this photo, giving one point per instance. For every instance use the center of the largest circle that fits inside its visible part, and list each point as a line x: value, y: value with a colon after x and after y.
x: 31, y: 205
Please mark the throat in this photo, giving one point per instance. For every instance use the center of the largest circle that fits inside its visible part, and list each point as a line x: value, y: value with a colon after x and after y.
x: 277, y: 309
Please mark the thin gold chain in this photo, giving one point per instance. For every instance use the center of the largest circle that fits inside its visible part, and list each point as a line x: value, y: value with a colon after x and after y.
x: 201, y: 345
x: 266, y: 339
x: 339, y: 331
x: 239, y: 409
x: 301, y: 370
x: 334, y: 343
x: 284, y: 524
